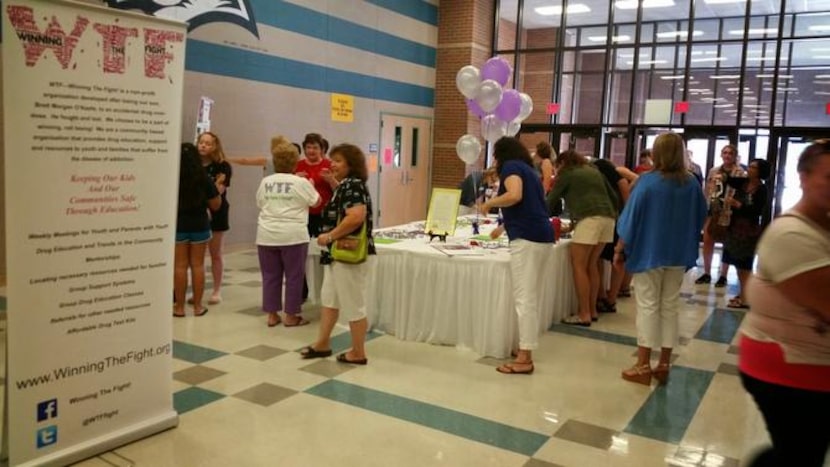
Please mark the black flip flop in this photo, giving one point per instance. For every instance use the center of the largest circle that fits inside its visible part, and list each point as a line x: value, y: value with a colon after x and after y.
x: 203, y: 313
x: 309, y: 352
x: 342, y: 358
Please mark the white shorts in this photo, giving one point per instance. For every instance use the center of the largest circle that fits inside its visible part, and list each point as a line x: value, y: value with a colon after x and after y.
x: 594, y: 230
x: 344, y: 288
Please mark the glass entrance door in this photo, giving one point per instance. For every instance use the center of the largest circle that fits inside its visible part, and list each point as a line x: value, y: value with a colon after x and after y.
x: 583, y: 140
x: 615, y: 148
x: 705, y: 146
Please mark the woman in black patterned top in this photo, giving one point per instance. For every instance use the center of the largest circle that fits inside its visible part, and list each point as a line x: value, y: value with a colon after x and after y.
x: 344, y: 284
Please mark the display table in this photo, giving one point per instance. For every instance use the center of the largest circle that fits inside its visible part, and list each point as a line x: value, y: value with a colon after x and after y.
x: 419, y: 293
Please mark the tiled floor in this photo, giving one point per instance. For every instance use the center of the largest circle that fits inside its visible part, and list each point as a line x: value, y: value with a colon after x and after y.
x: 247, y: 399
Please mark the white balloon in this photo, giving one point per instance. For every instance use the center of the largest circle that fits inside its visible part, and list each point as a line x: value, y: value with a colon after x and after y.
x: 468, y: 149
x: 493, y: 129
x: 513, y: 127
x: 527, y: 107
x: 467, y: 81
x: 489, y: 95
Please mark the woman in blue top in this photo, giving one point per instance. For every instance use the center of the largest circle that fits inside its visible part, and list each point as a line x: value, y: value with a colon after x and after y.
x: 659, y: 231
x: 522, y: 200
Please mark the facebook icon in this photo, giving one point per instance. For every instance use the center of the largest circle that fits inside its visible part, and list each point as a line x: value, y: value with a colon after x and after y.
x: 47, y: 409
x: 46, y: 436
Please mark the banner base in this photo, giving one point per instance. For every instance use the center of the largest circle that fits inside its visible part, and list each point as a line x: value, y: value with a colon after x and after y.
x: 108, y: 442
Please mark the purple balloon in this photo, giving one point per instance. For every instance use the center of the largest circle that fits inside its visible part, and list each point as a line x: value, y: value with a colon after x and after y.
x: 510, y: 105
x: 497, y: 69
x: 476, y: 109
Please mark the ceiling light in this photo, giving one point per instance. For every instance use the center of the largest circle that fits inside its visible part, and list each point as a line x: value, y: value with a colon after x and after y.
x: 821, y: 57
x: 557, y: 9
x: 764, y: 59
x: 725, y: 76
x: 613, y: 38
x: 722, y: 106
x: 822, y: 93
x: 649, y: 62
x: 674, y: 77
x: 821, y: 76
x: 740, y: 32
x: 719, y: 2
x: 670, y: 34
x: 708, y: 59
x: 820, y: 49
x: 770, y: 75
x: 819, y: 27
x: 632, y: 4
x: 821, y: 82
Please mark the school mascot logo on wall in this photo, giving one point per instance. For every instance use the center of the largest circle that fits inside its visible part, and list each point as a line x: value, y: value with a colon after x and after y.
x: 195, y: 12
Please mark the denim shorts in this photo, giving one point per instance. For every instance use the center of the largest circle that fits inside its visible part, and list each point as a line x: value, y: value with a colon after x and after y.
x: 193, y: 237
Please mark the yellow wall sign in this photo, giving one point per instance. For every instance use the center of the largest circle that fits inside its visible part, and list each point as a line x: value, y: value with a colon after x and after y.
x: 342, y: 108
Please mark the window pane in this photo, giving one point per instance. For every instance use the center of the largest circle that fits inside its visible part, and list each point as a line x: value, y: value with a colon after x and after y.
x: 508, y: 18
x: 414, y: 162
x: 396, y: 160
x: 809, y: 24
x: 536, y: 80
x: 719, y: 10
x: 539, y: 31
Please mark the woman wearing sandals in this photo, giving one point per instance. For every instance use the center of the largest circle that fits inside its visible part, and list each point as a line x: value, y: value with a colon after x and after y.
x: 344, y: 284
x: 745, y: 228
x: 283, y: 200
x: 522, y: 200
x: 590, y: 200
x: 785, y: 338
x: 659, y: 232
x: 197, y: 194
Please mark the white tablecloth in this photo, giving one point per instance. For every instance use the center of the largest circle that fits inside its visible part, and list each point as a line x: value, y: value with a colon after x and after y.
x: 420, y: 294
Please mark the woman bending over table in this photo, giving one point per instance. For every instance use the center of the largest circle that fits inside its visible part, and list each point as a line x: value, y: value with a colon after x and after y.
x: 521, y: 199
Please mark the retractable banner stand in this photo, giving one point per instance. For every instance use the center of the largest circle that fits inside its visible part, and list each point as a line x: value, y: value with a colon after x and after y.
x: 92, y: 103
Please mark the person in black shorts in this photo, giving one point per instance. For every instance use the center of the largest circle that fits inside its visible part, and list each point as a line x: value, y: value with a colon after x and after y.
x: 219, y: 170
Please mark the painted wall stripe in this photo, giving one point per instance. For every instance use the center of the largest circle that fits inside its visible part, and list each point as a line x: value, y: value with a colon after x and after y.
x: 290, y: 17
x: 205, y: 57
x: 419, y: 10
x: 432, y: 416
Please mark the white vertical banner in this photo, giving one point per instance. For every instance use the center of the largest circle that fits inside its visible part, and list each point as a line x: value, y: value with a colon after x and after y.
x: 92, y: 99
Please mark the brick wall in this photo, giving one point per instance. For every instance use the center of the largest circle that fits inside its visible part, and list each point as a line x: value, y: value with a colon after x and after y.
x: 465, y: 30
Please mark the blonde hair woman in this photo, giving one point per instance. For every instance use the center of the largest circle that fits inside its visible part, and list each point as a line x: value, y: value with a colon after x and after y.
x: 283, y: 200
x: 659, y: 230
x: 219, y: 170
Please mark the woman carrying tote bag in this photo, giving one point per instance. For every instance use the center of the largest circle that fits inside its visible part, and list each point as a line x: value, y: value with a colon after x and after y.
x: 344, y: 283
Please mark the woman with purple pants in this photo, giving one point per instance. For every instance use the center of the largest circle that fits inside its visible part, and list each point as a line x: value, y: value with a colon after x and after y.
x: 283, y: 200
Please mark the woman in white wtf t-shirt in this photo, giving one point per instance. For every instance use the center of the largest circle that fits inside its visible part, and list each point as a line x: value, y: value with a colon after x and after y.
x: 283, y: 200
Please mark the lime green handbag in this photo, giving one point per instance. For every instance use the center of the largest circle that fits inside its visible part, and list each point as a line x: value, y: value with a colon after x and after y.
x: 352, y: 249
